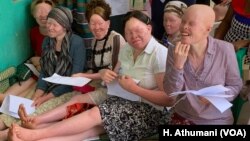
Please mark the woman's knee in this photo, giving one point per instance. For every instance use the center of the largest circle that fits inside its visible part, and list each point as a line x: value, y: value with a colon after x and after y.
x: 80, y: 98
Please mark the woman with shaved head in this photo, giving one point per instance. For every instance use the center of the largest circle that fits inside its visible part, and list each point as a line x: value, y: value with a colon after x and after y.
x: 200, y: 61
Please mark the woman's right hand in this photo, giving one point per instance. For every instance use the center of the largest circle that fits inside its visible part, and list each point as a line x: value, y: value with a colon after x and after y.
x: 40, y: 100
x: 180, y: 55
x: 107, y: 75
x: 39, y: 93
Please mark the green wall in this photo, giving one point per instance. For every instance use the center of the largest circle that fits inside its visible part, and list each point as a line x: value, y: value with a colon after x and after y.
x: 15, y: 23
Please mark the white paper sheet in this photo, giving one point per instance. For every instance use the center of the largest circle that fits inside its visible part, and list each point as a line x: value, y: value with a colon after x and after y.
x: 11, y: 104
x: 33, y: 69
x: 73, y: 81
x: 220, y: 103
x: 215, y: 94
x: 209, y: 91
x: 115, y: 89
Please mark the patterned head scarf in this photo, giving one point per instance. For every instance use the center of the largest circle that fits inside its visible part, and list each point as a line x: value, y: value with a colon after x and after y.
x: 51, y: 61
x: 175, y: 6
x: 63, y: 16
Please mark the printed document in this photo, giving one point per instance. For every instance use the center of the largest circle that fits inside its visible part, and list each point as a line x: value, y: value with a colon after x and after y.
x: 73, y: 81
x: 115, y: 89
x: 11, y: 104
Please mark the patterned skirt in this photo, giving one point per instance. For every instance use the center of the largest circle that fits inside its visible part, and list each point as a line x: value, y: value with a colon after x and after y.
x: 126, y: 120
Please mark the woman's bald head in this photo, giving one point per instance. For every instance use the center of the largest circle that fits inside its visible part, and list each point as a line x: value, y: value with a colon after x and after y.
x: 203, y: 12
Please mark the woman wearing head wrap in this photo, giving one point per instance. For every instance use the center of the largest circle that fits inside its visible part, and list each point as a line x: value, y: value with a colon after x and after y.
x: 101, y: 67
x: 157, y: 8
x: 102, y: 62
x: 173, y: 12
x: 63, y: 53
x: 142, y: 58
x: 39, y: 10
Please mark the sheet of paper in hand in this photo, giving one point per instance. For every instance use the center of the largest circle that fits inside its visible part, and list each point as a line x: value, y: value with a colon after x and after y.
x: 73, y: 81
x: 214, y: 94
x: 11, y: 104
x: 115, y: 89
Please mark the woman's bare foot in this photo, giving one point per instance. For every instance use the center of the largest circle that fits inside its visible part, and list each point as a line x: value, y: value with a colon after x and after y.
x: 11, y: 135
x: 18, y: 133
x: 22, y: 112
x: 27, y: 122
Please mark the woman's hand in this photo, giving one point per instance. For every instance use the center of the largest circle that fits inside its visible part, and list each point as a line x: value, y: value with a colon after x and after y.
x: 127, y: 83
x: 107, y: 75
x: 42, y: 99
x: 180, y: 55
x: 240, y: 44
x: 35, y: 60
x: 37, y: 94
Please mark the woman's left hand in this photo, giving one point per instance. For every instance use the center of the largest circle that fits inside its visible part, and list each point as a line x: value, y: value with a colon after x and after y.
x: 39, y: 101
x: 127, y: 83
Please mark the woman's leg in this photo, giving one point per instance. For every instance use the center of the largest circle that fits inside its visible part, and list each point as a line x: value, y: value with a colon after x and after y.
x: 71, y: 126
x: 94, y: 132
x: 3, y: 135
x: 53, y: 115
x: 29, y: 92
x: 17, y: 89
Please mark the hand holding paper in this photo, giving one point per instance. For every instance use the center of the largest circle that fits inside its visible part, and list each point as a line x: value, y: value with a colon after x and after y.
x: 11, y: 104
x: 214, y: 94
x: 115, y: 89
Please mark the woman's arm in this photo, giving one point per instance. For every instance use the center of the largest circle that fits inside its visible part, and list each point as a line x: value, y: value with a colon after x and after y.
x: 78, y: 54
x: 106, y: 75
x: 233, y: 80
x: 221, y: 31
x: 174, y: 77
x: 240, y: 44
